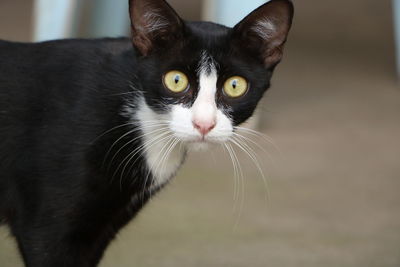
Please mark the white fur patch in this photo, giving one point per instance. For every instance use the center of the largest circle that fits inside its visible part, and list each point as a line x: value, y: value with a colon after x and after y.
x: 204, y: 108
x: 162, y: 158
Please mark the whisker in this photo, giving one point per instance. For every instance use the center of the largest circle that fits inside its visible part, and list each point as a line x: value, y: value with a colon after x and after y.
x: 245, y: 139
x: 242, y: 180
x: 127, y: 143
x: 171, y: 138
x: 112, y: 129
x: 161, y: 156
x: 166, y: 155
x: 252, y: 155
x: 133, y: 164
x: 263, y: 136
x: 149, y: 141
x: 155, y: 121
x: 147, y: 144
x: 127, y: 93
x: 234, y: 176
x: 115, y: 142
x: 137, y: 128
x: 140, y: 148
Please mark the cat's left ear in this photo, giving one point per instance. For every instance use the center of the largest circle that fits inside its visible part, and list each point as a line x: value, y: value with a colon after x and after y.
x: 265, y: 30
x: 154, y: 25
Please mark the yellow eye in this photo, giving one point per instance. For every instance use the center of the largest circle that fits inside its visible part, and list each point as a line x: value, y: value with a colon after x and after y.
x: 235, y: 86
x: 176, y: 81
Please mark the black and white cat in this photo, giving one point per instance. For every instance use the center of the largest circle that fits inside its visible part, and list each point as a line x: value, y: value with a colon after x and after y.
x: 90, y: 129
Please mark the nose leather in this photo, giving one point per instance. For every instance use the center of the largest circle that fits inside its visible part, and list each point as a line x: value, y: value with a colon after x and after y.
x: 204, y: 127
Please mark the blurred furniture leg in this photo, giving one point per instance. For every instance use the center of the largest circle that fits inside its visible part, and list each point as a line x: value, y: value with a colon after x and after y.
x: 396, y: 15
x: 230, y: 12
x: 53, y: 19
x: 110, y: 18
x: 209, y: 11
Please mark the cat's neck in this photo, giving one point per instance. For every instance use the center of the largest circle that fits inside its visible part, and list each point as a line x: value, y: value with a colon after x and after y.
x: 163, y: 153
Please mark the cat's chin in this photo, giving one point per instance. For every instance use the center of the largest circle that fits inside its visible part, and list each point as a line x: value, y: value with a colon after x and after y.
x: 202, y: 145
x: 198, y: 146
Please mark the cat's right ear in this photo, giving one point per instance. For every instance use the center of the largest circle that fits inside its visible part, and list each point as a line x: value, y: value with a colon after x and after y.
x: 155, y: 25
x: 265, y: 30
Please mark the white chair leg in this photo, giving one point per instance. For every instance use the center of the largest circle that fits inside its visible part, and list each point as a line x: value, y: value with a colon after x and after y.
x: 229, y: 12
x: 53, y: 19
x: 110, y: 18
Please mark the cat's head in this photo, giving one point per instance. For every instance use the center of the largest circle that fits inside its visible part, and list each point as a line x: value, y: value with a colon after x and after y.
x: 202, y: 79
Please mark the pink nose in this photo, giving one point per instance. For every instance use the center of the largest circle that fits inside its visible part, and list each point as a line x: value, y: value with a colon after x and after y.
x: 204, y: 127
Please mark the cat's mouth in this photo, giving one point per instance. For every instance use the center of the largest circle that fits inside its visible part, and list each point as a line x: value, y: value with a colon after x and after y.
x: 206, y: 140
x: 214, y: 137
x: 203, y: 143
x: 199, y: 145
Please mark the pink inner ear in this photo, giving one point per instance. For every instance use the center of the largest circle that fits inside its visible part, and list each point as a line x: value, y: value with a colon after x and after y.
x: 153, y: 22
x: 266, y: 29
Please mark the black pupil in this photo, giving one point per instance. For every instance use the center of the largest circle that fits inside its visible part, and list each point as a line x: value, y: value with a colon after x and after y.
x: 234, y: 84
x: 177, y: 79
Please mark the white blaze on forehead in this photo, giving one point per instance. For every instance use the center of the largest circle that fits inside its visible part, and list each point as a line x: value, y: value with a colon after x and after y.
x: 204, y: 108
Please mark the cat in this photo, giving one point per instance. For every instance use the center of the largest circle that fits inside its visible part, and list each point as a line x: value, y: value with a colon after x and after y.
x: 91, y: 129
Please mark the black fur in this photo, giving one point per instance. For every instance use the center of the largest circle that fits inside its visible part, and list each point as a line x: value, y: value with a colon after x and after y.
x: 59, y: 101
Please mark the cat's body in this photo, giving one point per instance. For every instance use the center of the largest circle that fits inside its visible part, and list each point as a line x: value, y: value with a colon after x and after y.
x: 52, y: 191
x: 90, y: 129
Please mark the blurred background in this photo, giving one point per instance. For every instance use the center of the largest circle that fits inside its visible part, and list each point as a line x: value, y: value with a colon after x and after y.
x: 333, y: 114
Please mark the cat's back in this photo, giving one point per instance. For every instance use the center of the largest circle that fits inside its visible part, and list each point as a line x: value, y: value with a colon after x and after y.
x: 43, y: 82
x: 42, y: 86
x: 34, y: 73
x: 14, y: 57
x: 40, y: 70
x: 17, y: 60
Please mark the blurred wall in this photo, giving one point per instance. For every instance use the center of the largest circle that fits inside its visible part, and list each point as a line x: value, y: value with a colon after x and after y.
x: 348, y: 30
x: 89, y: 22
x: 16, y: 20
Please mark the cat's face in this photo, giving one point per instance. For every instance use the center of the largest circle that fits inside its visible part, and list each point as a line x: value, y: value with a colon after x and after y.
x: 203, y: 79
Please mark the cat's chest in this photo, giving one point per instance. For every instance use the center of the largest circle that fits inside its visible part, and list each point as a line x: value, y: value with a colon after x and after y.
x: 163, y: 155
x: 162, y: 151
